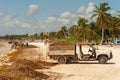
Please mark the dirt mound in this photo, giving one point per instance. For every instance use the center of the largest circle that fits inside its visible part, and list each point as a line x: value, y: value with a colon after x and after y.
x: 1, y: 45
x: 31, y: 64
x: 61, y: 43
x: 6, y: 78
x: 22, y: 70
x: 14, y: 55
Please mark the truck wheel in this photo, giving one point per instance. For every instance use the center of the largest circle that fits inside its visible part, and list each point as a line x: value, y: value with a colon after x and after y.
x: 102, y: 60
x: 61, y: 60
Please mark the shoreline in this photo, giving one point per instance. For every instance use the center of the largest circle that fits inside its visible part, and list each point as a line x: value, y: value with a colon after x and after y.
x: 4, y: 47
x: 4, y: 52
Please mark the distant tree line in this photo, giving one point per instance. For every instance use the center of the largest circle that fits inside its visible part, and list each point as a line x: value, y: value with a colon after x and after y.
x: 14, y: 37
x: 106, y: 26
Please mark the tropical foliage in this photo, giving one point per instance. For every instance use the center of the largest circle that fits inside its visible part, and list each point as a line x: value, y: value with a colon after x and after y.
x: 103, y: 18
x: 104, y: 27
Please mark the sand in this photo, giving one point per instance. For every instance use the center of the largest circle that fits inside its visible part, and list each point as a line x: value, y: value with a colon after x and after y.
x: 84, y: 70
x: 4, y: 50
x: 4, y: 47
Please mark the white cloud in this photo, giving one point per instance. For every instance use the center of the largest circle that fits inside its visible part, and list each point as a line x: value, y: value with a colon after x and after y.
x: 85, y: 12
x: 33, y: 9
x: 11, y: 22
x: 63, y: 21
x: 114, y: 12
x: 81, y: 10
x: 51, y: 19
x: 2, y: 14
x: 90, y: 8
x: 25, y: 25
x: 67, y: 14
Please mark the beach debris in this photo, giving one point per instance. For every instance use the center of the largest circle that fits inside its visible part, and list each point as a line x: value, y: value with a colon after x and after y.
x: 22, y: 70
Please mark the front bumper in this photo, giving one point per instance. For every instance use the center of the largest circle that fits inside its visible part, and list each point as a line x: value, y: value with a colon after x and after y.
x: 111, y: 55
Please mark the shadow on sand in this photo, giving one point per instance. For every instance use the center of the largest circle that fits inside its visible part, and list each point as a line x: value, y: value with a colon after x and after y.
x: 88, y: 63
x: 109, y: 63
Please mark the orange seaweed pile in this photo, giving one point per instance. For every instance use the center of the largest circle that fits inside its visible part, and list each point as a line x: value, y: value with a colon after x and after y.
x: 23, y: 69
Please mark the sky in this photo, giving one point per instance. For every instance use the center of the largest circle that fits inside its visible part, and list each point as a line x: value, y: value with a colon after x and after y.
x: 36, y: 16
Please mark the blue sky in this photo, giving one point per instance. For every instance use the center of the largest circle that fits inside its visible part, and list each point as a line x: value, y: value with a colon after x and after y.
x: 35, y: 16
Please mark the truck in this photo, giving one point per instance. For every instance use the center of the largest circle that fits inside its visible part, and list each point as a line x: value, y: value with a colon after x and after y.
x: 68, y: 53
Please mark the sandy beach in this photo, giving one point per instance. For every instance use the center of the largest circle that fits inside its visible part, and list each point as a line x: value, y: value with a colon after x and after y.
x: 87, y: 70
x: 82, y: 70
x: 4, y: 51
x: 4, y: 47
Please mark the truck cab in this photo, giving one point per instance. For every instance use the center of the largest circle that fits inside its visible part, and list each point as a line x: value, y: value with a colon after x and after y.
x: 100, y: 55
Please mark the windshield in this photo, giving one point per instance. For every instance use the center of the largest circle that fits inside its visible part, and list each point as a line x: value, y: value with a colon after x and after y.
x: 92, y: 46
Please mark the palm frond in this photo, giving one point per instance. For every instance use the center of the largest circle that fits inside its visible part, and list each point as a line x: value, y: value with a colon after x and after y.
x: 93, y: 16
x: 96, y: 7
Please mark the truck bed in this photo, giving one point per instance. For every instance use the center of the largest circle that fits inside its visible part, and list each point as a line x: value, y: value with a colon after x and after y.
x: 62, y: 50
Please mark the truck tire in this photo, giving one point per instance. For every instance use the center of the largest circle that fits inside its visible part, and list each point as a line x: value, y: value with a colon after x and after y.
x: 62, y: 60
x: 102, y: 59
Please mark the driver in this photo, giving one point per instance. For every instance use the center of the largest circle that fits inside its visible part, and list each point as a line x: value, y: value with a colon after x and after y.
x: 93, y: 51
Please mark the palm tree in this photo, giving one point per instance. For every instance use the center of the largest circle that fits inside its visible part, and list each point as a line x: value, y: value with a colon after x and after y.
x: 64, y: 30
x: 82, y: 23
x: 52, y: 36
x: 119, y: 14
x: 94, y: 31
x: 74, y: 33
x: 115, y: 28
x: 103, y: 18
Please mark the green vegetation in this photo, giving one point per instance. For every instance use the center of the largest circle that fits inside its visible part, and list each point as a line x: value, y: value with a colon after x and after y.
x: 106, y: 26
x: 103, y: 18
x: 13, y: 37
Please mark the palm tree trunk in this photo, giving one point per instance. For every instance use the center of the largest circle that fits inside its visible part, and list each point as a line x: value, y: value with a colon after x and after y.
x: 83, y: 34
x: 101, y: 42
x: 84, y: 37
x: 64, y: 33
